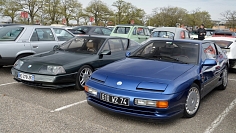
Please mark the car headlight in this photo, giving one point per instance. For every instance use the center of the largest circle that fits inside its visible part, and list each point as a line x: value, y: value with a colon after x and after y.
x: 56, y: 69
x: 151, y: 103
x: 18, y: 64
x: 90, y: 90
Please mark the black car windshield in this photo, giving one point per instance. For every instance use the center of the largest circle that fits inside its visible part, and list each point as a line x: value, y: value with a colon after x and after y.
x: 83, y: 45
x: 169, y: 51
x: 10, y: 33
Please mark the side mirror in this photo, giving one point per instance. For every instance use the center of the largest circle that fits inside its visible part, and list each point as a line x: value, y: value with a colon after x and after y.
x: 209, y: 62
x: 105, y: 52
x: 128, y: 53
x: 56, y: 47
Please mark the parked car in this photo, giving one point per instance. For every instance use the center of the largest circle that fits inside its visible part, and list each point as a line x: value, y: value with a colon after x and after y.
x: 24, y: 40
x: 221, y: 33
x: 227, y: 44
x: 91, y: 30
x: 137, y: 33
x: 8, y: 24
x: 71, y: 63
x: 166, y: 32
x: 164, y: 78
x: 209, y: 33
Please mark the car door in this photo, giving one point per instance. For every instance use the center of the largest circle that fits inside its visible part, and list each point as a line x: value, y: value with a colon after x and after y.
x: 117, y: 51
x: 210, y: 74
x: 42, y: 39
x: 141, y: 34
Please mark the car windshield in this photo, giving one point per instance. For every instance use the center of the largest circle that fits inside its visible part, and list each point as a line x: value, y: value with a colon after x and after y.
x: 83, y: 45
x: 10, y: 33
x: 163, y: 34
x: 169, y: 51
x: 222, y: 43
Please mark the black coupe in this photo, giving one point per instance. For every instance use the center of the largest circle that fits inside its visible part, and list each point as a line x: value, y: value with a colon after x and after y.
x: 71, y: 63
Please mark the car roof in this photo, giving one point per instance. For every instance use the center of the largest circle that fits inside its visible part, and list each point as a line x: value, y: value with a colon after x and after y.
x: 130, y: 25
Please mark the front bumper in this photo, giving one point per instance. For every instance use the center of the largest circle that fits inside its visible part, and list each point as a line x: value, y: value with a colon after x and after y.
x: 175, y: 109
x: 47, y: 81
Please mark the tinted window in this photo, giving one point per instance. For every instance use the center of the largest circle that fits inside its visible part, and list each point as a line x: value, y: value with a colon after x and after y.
x: 10, y: 33
x: 113, y: 45
x: 85, y: 29
x: 83, y: 45
x: 106, y: 31
x: 171, y: 51
x: 125, y: 43
x: 97, y: 31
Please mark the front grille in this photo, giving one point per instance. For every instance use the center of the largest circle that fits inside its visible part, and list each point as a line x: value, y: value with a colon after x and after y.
x: 128, y: 109
x: 32, y: 83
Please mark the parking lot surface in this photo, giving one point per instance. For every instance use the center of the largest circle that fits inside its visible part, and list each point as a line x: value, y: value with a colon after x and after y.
x: 29, y: 109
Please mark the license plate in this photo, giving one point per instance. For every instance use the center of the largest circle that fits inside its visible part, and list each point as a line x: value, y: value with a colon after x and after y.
x: 114, y: 99
x: 27, y: 77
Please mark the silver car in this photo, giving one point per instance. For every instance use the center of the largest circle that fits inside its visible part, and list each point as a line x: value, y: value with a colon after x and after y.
x: 168, y: 32
x: 24, y: 40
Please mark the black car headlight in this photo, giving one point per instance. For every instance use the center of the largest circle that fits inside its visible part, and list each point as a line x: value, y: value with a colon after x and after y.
x: 18, y: 64
x: 52, y: 70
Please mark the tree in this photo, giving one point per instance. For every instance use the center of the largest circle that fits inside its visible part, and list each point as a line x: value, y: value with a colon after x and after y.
x: 50, y: 11
x: 32, y: 7
x: 98, y: 10
x: 69, y: 8
x: 230, y: 17
x: 11, y: 9
x: 120, y: 5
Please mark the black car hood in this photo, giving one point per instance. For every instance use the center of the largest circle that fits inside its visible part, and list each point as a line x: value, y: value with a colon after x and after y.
x: 54, y: 58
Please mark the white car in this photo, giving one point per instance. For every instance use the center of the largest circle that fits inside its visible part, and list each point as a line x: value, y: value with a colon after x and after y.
x: 227, y: 44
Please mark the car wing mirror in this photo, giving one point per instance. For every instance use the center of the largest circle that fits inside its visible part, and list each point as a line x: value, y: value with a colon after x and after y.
x: 209, y: 62
x: 56, y: 47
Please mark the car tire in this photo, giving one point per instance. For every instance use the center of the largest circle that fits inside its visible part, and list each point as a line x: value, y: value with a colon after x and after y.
x: 83, y: 75
x: 193, y: 100
x: 224, y: 79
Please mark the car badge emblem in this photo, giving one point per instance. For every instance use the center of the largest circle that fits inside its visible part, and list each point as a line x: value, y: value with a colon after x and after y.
x: 119, y: 83
x: 29, y: 66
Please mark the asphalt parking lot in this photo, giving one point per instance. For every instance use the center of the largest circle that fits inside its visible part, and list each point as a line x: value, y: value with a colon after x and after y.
x: 30, y: 109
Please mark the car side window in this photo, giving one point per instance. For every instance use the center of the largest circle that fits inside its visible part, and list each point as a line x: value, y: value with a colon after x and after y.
x: 97, y: 31
x: 135, y: 31
x: 106, y: 31
x: 62, y: 34
x: 187, y: 36
x: 140, y: 31
x: 113, y: 45
x: 125, y: 43
x: 147, y: 32
x: 42, y: 34
x: 209, y: 50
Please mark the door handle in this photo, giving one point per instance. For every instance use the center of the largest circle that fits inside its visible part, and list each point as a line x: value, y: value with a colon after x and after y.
x: 35, y: 46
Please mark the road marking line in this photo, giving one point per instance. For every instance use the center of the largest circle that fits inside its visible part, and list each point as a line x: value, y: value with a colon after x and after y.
x: 8, y: 83
x: 232, y: 79
x: 67, y: 106
x: 219, y: 119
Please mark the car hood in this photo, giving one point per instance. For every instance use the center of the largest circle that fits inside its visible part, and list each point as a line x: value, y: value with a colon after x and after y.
x: 54, y: 58
x: 138, y: 73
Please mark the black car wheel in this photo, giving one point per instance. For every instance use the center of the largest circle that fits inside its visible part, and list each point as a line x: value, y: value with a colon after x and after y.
x: 83, y: 75
x: 224, y: 78
x: 192, y: 102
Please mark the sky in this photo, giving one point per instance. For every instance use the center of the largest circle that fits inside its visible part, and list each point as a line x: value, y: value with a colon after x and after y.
x: 214, y: 7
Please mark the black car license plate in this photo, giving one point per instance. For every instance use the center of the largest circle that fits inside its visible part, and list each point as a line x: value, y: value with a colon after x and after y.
x: 114, y: 99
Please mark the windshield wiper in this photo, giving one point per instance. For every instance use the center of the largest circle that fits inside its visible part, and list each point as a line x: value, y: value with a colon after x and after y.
x: 169, y: 57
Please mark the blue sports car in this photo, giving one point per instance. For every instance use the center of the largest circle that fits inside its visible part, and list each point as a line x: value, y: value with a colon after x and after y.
x: 162, y: 79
